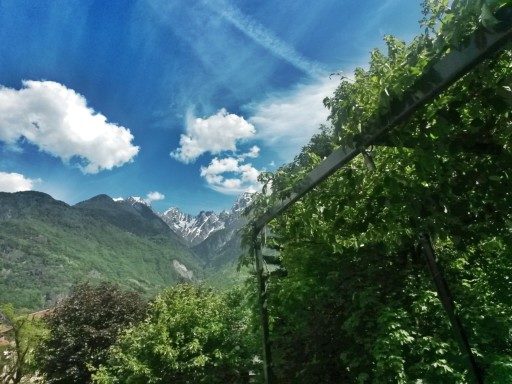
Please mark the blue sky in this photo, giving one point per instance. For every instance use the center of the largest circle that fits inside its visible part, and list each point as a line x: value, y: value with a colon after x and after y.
x: 180, y: 102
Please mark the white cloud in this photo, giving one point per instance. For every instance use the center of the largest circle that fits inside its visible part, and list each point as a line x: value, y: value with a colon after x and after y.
x: 253, y: 153
x: 242, y: 177
x: 58, y: 121
x: 16, y: 182
x: 154, y: 196
x: 286, y: 121
x: 214, y: 134
x: 150, y: 197
x: 264, y: 37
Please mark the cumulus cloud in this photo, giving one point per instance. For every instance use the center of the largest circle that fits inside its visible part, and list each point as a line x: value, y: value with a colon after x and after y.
x: 214, y: 134
x: 16, y: 182
x: 230, y: 176
x: 154, y: 196
x: 58, y: 121
x: 286, y: 121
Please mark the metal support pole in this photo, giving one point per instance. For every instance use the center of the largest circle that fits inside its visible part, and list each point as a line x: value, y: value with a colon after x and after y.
x: 262, y: 299
x: 444, y: 294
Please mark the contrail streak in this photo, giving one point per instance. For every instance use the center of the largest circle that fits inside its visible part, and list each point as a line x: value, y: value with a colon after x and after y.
x: 262, y: 36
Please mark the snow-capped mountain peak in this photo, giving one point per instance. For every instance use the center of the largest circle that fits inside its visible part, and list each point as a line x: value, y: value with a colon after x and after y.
x: 137, y: 199
x: 195, y: 229
x: 243, y: 201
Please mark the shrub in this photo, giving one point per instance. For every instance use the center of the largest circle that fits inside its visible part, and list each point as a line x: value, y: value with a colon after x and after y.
x: 83, y: 327
x: 192, y: 335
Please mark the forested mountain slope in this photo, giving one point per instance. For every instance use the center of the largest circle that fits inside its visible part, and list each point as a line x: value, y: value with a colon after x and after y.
x: 47, y: 245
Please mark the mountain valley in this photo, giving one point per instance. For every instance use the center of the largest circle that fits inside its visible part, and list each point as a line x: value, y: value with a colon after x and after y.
x: 47, y: 245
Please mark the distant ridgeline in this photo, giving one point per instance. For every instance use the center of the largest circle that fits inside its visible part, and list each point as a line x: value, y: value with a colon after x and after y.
x: 46, y: 246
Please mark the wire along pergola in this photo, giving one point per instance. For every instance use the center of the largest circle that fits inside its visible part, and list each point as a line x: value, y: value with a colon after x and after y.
x: 481, y: 45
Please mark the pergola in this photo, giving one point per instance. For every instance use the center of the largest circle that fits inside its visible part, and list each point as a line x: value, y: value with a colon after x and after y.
x: 439, y: 75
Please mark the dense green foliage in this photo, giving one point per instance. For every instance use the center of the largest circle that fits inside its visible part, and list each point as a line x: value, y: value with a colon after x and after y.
x: 82, y: 328
x: 353, y: 301
x: 22, y: 332
x: 46, y: 246
x: 192, y: 335
x: 358, y: 304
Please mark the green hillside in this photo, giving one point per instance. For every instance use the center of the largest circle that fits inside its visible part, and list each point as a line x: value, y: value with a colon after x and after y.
x: 220, y: 249
x: 46, y: 246
x: 221, y: 252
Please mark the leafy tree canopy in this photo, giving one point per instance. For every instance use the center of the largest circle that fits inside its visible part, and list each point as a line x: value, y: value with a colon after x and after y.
x: 22, y: 332
x: 82, y: 328
x: 192, y: 335
x: 357, y: 304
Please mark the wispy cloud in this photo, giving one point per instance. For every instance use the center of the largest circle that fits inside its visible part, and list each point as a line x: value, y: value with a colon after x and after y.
x: 286, y: 121
x: 264, y: 37
x: 228, y: 45
x: 225, y: 62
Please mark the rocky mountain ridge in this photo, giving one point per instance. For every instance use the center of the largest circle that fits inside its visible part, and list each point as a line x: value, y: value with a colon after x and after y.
x: 193, y: 229
x: 196, y: 229
x: 47, y: 245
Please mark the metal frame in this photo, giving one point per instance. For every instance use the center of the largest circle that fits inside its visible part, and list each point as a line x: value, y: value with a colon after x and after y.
x: 435, y: 80
x: 262, y: 300
x: 445, y: 296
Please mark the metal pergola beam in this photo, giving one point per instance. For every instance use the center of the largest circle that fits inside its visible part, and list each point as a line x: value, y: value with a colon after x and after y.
x: 432, y: 83
x: 435, y: 80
